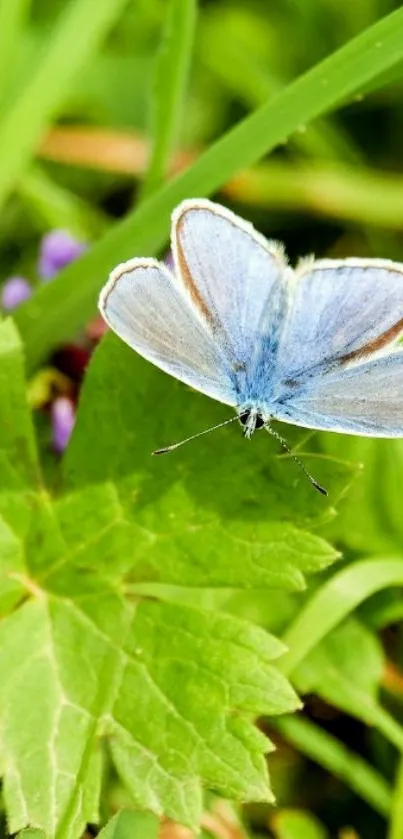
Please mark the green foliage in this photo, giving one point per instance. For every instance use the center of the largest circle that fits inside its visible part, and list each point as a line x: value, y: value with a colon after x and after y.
x: 129, y: 825
x: 171, y: 73
x: 139, y: 595
x: 193, y: 525
x: 59, y: 309
x: 167, y: 687
x: 295, y: 824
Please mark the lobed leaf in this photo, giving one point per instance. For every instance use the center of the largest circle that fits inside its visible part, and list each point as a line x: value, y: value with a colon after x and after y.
x: 171, y: 689
x: 219, y: 512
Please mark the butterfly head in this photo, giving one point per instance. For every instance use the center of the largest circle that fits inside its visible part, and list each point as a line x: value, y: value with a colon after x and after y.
x: 251, y: 419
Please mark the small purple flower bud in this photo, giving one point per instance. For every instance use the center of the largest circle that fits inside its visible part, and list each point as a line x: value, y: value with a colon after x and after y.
x: 169, y: 260
x: 63, y: 418
x: 58, y: 249
x: 14, y: 291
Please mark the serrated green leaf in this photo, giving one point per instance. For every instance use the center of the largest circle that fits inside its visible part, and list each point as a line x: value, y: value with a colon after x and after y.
x: 171, y: 688
x: 149, y: 678
x: 219, y: 512
x: 129, y: 825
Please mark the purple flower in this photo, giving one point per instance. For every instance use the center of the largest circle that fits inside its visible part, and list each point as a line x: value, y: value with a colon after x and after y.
x: 14, y: 291
x: 63, y: 418
x: 58, y: 249
x: 169, y: 260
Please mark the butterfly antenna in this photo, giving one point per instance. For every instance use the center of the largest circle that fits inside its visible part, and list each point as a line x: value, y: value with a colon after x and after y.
x: 302, y: 466
x: 167, y: 449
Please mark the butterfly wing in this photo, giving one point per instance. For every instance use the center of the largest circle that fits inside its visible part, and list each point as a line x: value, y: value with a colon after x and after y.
x: 142, y: 304
x: 235, y: 278
x: 206, y: 324
x: 339, y: 365
x: 366, y: 399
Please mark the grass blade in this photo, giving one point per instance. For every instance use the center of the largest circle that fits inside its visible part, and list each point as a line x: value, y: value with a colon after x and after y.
x: 334, y: 601
x: 83, y: 24
x: 12, y: 19
x: 334, y: 756
x: 60, y: 308
x: 396, y: 814
x: 171, y: 74
x: 53, y: 205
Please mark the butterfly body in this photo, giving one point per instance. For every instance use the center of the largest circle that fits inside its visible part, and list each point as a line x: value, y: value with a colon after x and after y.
x: 318, y: 346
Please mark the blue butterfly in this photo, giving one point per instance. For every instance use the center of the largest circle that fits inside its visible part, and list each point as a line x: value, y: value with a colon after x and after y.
x: 316, y: 346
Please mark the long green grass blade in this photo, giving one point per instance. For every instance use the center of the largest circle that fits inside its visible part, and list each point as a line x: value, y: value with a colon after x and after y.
x: 13, y: 15
x: 396, y: 814
x: 334, y: 601
x: 77, y: 35
x: 60, y: 308
x: 334, y: 756
x: 171, y: 74
x: 355, y: 194
x: 53, y: 205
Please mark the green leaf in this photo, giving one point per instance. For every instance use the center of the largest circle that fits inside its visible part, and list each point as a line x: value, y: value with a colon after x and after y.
x: 216, y: 513
x: 371, y: 521
x: 171, y: 688
x: 349, y: 655
x: 18, y: 456
x: 296, y: 824
x: 339, y: 760
x: 171, y: 73
x: 83, y: 24
x: 58, y: 309
x: 150, y: 679
x: 129, y: 825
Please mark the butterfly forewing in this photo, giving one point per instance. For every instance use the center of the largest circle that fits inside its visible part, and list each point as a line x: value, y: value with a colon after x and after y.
x: 317, y: 347
x: 142, y: 304
x: 339, y: 364
x: 235, y: 278
x: 341, y: 310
